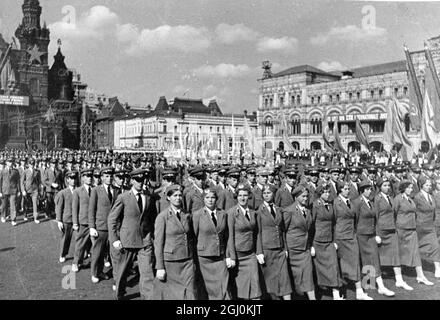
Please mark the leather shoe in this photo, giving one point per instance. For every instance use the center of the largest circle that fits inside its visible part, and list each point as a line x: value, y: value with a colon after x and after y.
x: 424, y: 281
x: 95, y: 279
x: 75, y: 268
x: 62, y: 259
x: 404, y: 285
x: 386, y: 292
x: 363, y: 296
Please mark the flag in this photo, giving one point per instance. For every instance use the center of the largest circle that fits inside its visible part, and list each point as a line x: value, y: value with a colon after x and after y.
x: 414, y: 94
x: 361, y: 135
x: 284, y: 136
x: 325, y: 135
x: 233, y: 136
x: 253, y: 145
x: 431, y: 113
x: 338, y: 142
x: 394, y: 132
x: 181, y: 143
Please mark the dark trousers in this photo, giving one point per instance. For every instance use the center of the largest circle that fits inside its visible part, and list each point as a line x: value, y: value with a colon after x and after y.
x: 8, y: 202
x: 81, y: 243
x: 99, y: 250
x: 50, y: 204
x: 31, y: 197
x: 66, y: 237
x: 145, y: 264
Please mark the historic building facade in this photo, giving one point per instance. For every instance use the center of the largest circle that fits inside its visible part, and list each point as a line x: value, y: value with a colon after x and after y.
x: 304, y: 96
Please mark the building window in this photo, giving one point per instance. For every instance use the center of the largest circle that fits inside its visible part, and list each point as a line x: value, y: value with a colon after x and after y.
x: 293, y: 100
x: 358, y: 95
x: 319, y: 99
x: 350, y: 96
x: 164, y: 128
x: 380, y: 94
x: 337, y: 98
x: 298, y: 100
x: 296, y: 127
x: 266, y: 101
x: 35, y: 87
x: 316, y: 125
x: 271, y: 102
x: 268, y: 127
x: 330, y: 98
x: 281, y: 101
x: 405, y: 91
x: 312, y: 100
x: 396, y: 92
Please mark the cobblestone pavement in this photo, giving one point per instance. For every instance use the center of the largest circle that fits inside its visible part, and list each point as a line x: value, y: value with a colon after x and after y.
x: 29, y: 270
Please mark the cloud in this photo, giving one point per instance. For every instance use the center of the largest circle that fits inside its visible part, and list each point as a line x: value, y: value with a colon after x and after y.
x: 350, y: 33
x: 182, y: 38
x: 331, y: 66
x: 229, y: 34
x: 223, y: 70
x: 284, y: 44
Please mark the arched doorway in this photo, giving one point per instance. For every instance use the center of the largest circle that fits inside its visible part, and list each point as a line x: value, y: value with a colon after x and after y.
x: 315, y: 145
x: 354, y: 146
x: 376, y: 146
x: 295, y: 145
x: 281, y: 146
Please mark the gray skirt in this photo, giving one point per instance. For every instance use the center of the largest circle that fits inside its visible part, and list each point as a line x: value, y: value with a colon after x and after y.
x: 326, y: 265
x: 428, y: 243
x: 179, y: 283
x: 302, y: 270
x: 409, y: 247
x: 348, y: 254
x: 389, y: 248
x: 276, y: 273
x: 369, y: 254
x: 214, y: 277
x: 245, y: 277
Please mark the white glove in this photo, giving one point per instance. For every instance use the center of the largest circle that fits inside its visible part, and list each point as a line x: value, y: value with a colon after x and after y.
x: 75, y: 227
x: 161, y: 274
x: 230, y: 263
x: 312, y: 251
x: 117, y: 244
x: 24, y: 193
x: 93, y: 232
x: 60, y: 225
x: 260, y: 258
x: 54, y: 185
x: 336, y: 246
x: 378, y: 240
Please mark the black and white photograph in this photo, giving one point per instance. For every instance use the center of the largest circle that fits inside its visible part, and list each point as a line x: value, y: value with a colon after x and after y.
x: 232, y: 150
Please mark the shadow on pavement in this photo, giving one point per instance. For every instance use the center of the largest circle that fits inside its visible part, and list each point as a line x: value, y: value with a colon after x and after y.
x: 7, y: 249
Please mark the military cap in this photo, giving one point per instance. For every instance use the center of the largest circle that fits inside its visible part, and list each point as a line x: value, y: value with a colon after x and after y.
x: 251, y: 170
x: 388, y: 168
x: 300, y: 189
x: 197, y: 172
x: 416, y: 169
x: 53, y: 160
x: 71, y: 174
x: 262, y: 171
x: 289, y: 170
x: 138, y: 172
x: 335, y: 169
x: 399, y: 169
x: 428, y: 166
x: 173, y: 188
x: 223, y: 171
x: 168, y: 172
x: 87, y: 172
x: 143, y: 159
x: 107, y: 170
x: 380, y: 181
x: 121, y: 172
x: 234, y: 172
x: 371, y: 169
x: 313, y: 171
x: 355, y: 170
x: 364, y: 184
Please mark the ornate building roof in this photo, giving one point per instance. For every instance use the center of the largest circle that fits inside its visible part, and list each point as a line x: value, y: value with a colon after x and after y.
x: 301, y: 69
x: 377, y: 69
x: 186, y: 105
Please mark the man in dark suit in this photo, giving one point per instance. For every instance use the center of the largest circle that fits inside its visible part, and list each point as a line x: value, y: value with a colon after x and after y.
x: 52, y: 181
x: 100, y: 204
x: 10, y: 187
x: 63, y: 211
x: 30, y: 182
x: 354, y: 182
x: 80, y: 217
x: 131, y: 229
x: 227, y: 198
x: 194, y: 197
x: 257, y: 192
x: 283, y: 197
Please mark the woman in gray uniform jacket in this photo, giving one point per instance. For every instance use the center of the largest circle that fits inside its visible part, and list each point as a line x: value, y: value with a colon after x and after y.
x: 276, y: 282
x: 346, y: 240
x: 173, y: 248
x: 405, y: 211
x: 211, y: 233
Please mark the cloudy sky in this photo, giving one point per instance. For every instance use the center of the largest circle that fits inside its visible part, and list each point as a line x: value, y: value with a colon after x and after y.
x: 140, y: 50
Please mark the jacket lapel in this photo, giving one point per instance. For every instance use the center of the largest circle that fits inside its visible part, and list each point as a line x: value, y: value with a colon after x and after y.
x: 209, y: 218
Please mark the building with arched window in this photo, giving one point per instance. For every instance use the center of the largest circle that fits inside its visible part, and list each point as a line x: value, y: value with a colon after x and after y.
x: 305, y: 96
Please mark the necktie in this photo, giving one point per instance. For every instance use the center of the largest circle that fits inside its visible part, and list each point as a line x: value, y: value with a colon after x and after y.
x: 348, y: 204
x: 247, y: 215
x: 303, y: 211
x: 272, y: 210
x: 213, y: 218
x: 178, y: 215
x: 109, y: 193
x: 88, y: 191
x: 327, y: 206
x: 369, y: 204
x: 430, y: 200
x: 389, y: 201
x: 139, y: 200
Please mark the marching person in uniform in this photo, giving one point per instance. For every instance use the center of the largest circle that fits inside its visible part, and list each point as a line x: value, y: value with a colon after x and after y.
x: 245, y: 248
x: 131, y: 230
x: 80, y: 217
x: 227, y: 198
x: 276, y: 280
x: 168, y: 179
x: 31, y: 180
x: 257, y: 190
x: 173, y: 248
x: 52, y: 180
x: 10, y: 187
x: 194, y: 197
x: 283, y: 197
x: 436, y: 197
x: 326, y: 258
x: 63, y: 211
x: 211, y: 234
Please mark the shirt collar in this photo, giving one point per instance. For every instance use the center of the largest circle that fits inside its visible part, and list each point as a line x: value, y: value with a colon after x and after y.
x: 243, y: 210
x: 288, y: 187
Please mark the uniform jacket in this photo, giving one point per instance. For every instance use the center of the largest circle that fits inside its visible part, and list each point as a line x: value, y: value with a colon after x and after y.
x: 333, y: 192
x: 52, y: 176
x: 324, y: 221
x: 173, y: 239
x: 243, y: 234
x: 128, y: 224
x: 100, y: 206
x: 354, y: 193
x: 415, y: 183
x: 257, y: 198
x: 30, y: 180
x: 226, y: 199
x: 9, y: 181
x: 194, y: 200
x: 211, y: 240
x: 272, y: 231
x: 298, y: 235
x: 436, y: 198
x: 425, y: 212
x: 80, y: 206
x: 63, y: 205
x: 365, y: 217
x: 283, y: 197
x: 405, y: 211
x: 385, y: 213
x: 345, y: 219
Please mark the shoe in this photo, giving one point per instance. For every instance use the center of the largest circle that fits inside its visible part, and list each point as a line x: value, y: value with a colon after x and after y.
x: 363, y: 296
x: 114, y: 287
x: 75, y: 268
x: 107, y: 264
x: 25, y: 219
x: 404, y: 285
x: 339, y: 298
x: 3, y: 220
x: 95, y: 279
x: 437, y: 274
x: 37, y: 221
x: 13, y: 223
x: 386, y: 292
x: 424, y: 281
x: 61, y: 259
